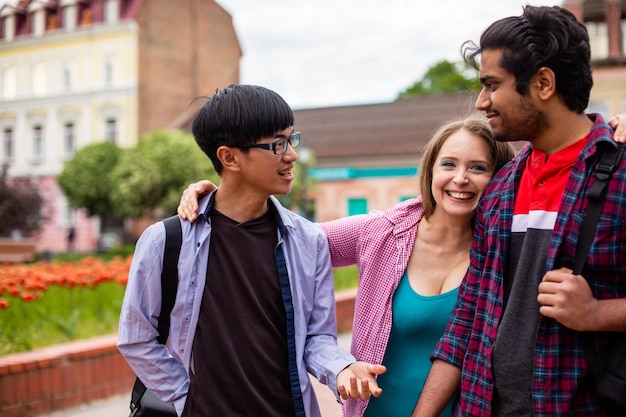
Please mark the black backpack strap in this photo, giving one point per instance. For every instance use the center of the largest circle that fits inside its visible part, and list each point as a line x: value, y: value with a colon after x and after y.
x: 169, y: 287
x: 169, y: 274
x: 609, y: 161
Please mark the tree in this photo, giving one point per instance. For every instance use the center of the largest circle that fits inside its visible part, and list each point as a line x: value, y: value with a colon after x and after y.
x: 20, y: 207
x: 442, y: 78
x: 153, y: 175
x: 86, y: 178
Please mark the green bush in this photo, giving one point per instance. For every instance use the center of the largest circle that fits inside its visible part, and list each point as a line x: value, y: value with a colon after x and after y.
x: 346, y: 277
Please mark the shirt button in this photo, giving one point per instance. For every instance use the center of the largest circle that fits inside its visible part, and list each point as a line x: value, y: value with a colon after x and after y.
x: 541, y: 183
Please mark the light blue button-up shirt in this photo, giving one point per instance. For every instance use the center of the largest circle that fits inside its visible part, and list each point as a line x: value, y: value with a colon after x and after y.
x: 312, y: 333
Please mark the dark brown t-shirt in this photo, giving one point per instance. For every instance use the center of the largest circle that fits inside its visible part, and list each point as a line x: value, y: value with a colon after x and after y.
x: 239, y: 357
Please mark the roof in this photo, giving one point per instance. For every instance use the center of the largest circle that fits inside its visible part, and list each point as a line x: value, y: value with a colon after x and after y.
x: 372, y: 134
x: 391, y: 129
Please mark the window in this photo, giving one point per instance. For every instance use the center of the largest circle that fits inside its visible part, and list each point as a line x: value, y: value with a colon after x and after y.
x: 9, y: 83
x: 67, y: 79
x: 51, y: 21
x: 38, y: 81
x: 126, y: 8
x: 110, y: 131
x: 357, y: 206
x: 108, y: 72
x: 37, y: 143
x: 66, y: 214
x: 22, y: 24
x: 85, y: 14
x: 69, y: 139
x: 7, y: 144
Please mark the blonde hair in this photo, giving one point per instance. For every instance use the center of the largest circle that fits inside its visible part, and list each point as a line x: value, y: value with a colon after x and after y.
x: 501, y: 152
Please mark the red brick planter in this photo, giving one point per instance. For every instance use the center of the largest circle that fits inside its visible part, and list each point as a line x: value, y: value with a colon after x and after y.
x: 67, y: 375
x: 345, y: 310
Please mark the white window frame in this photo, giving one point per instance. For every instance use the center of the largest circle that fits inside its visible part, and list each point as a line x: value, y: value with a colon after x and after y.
x: 69, y: 138
x: 109, y: 71
x: 38, y: 144
x: 8, y: 144
x: 111, y: 128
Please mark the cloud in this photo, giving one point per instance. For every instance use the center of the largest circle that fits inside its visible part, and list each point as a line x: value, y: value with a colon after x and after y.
x: 336, y: 52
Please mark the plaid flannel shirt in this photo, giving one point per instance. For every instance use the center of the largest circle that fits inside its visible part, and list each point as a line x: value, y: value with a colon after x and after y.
x: 562, y: 383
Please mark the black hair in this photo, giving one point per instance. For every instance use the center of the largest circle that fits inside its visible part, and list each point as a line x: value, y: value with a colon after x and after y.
x: 239, y: 115
x: 543, y: 36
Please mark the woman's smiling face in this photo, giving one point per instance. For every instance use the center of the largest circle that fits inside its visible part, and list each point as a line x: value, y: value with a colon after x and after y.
x: 461, y: 173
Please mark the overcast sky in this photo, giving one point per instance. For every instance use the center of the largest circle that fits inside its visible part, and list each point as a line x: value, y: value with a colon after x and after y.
x: 318, y: 53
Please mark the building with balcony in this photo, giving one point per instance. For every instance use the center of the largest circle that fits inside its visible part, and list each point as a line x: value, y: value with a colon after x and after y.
x: 76, y: 72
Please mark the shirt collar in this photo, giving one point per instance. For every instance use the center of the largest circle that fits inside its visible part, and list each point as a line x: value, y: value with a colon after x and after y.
x: 272, y: 207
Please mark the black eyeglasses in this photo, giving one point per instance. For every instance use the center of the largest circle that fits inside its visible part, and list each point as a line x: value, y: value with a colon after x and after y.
x: 279, y: 146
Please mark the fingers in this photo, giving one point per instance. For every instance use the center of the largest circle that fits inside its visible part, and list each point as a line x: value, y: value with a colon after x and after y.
x: 343, y: 393
x: 186, y: 212
x: 189, y: 203
x: 362, y: 389
x: 377, y: 369
x: 354, y: 388
x: 618, y: 123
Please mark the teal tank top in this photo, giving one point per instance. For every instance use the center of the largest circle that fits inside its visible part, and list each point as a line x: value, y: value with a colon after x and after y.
x: 418, y: 323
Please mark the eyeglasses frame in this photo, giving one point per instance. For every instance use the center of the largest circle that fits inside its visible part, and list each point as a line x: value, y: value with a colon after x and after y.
x: 293, y: 140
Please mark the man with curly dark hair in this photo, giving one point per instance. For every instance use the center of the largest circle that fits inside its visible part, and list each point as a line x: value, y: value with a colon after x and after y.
x: 514, y: 344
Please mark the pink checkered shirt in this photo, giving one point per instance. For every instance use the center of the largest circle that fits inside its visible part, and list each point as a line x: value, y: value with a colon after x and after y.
x: 380, y: 243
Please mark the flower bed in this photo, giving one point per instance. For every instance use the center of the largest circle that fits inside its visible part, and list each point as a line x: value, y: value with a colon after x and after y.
x: 53, y: 316
x: 48, y: 302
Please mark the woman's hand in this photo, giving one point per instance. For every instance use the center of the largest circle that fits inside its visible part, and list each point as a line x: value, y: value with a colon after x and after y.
x: 188, y: 207
x: 618, y: 123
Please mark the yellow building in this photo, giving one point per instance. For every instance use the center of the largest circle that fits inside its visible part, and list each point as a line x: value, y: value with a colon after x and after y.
x: 76, y: 72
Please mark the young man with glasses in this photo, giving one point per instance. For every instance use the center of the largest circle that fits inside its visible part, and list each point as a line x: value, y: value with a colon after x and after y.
x: 255, y: 309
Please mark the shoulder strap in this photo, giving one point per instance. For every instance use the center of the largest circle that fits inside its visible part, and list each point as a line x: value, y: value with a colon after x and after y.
x: 609, y: 160
x: 169, y: 274
x: 169, y: 287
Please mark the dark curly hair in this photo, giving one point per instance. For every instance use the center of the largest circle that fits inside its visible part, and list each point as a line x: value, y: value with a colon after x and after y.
x: 545, y: 36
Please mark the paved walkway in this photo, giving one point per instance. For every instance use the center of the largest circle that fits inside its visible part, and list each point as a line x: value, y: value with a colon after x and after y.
x: 118, y: 405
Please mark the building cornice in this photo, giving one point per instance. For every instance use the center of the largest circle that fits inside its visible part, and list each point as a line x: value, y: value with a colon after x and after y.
x: 90, y: 33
